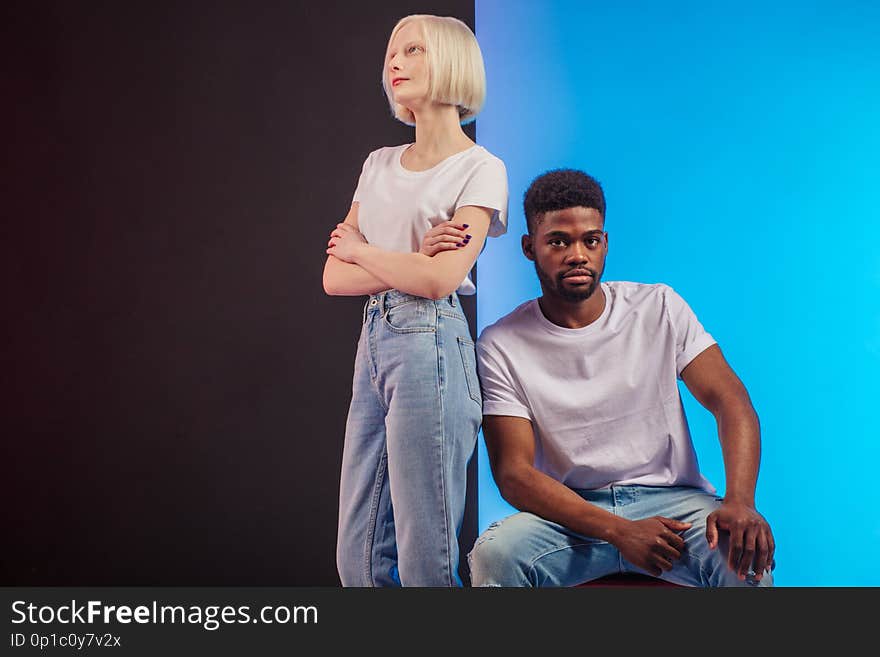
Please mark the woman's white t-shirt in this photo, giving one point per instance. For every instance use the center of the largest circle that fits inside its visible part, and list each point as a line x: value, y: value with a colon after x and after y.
x: 398, y: 206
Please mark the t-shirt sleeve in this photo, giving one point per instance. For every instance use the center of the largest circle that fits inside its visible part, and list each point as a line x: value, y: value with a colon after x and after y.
x: 362, y: 180
x: 500, y: 393
x: 691, y: 339
x: 487, y: 187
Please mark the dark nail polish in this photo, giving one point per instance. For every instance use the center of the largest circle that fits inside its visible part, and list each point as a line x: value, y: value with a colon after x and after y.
x: 467, y: 237
x: 466, y: 225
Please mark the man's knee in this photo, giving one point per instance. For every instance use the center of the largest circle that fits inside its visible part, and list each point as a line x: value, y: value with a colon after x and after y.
x: 719, y: 574
x: 491, y: 562
x: 497, y: 558
x: 715, y: 571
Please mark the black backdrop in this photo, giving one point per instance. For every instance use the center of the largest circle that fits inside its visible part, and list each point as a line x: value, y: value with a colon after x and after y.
x: 175, y: 381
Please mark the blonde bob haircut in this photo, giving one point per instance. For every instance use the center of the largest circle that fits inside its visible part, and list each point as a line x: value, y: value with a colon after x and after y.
x: 455, y: 67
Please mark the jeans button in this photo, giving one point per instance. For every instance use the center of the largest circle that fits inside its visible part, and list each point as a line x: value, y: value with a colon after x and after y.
x: 373, y: 302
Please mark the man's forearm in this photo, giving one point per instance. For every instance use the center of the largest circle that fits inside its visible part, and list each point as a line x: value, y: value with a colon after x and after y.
x: 529, y: 489
x: 717, y: 387
x: 740, y: 436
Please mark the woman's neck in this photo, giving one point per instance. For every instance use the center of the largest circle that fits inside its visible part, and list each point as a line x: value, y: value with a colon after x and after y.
x: 438, y: 134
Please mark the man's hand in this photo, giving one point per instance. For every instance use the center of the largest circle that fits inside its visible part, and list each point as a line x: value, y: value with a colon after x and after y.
x: 750, y: 537
x: 445, y: 236
x: 344, y: 240
x: 652, y: 543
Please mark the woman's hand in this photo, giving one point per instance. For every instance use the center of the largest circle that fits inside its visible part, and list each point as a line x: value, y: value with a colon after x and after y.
x: 344, y: 242
x: 446, y: 236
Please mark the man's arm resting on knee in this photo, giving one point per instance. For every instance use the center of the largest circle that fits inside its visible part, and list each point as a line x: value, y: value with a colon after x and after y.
x: 510, y: 442
x: 715, y: 385
x: 652, y: 544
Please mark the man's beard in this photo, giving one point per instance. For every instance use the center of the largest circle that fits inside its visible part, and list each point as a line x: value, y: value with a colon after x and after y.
x: 581, y: 293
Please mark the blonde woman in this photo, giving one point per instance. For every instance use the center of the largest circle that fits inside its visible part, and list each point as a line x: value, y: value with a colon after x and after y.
x: 420, y: 215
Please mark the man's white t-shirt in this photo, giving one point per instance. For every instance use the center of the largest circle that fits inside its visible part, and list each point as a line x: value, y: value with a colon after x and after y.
x: 603, y: 399
x: 398, y: 206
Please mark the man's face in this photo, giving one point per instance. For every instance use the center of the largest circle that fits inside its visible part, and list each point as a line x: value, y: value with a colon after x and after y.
x: 568, y: 248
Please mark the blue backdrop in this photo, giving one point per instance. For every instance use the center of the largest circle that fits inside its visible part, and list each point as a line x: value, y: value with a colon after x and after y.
x: 739, y: 151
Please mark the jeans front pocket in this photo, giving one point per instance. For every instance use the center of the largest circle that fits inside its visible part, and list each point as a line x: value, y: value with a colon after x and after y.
x: 416, y: 316
x: 469, y: 361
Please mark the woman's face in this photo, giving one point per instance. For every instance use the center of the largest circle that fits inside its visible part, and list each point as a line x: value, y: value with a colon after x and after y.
x: 406, y: 68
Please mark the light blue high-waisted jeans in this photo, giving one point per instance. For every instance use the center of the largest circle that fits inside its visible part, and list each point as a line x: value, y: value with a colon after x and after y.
x: 526, y: 550
x: 411, y: 430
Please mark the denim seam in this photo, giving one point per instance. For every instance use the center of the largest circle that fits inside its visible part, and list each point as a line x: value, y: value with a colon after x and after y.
x: 374, y: 368
x: 379, y: 396
x: 389, y: 306
x: 439, y: 345
x: 403, y: 330
x: 473, y: 386
x: 613, y: 510
x: 704, y: 573
x: 372, y: 348
x: 560, y: 548
x: 457, y: 316
x: 369, y: 539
